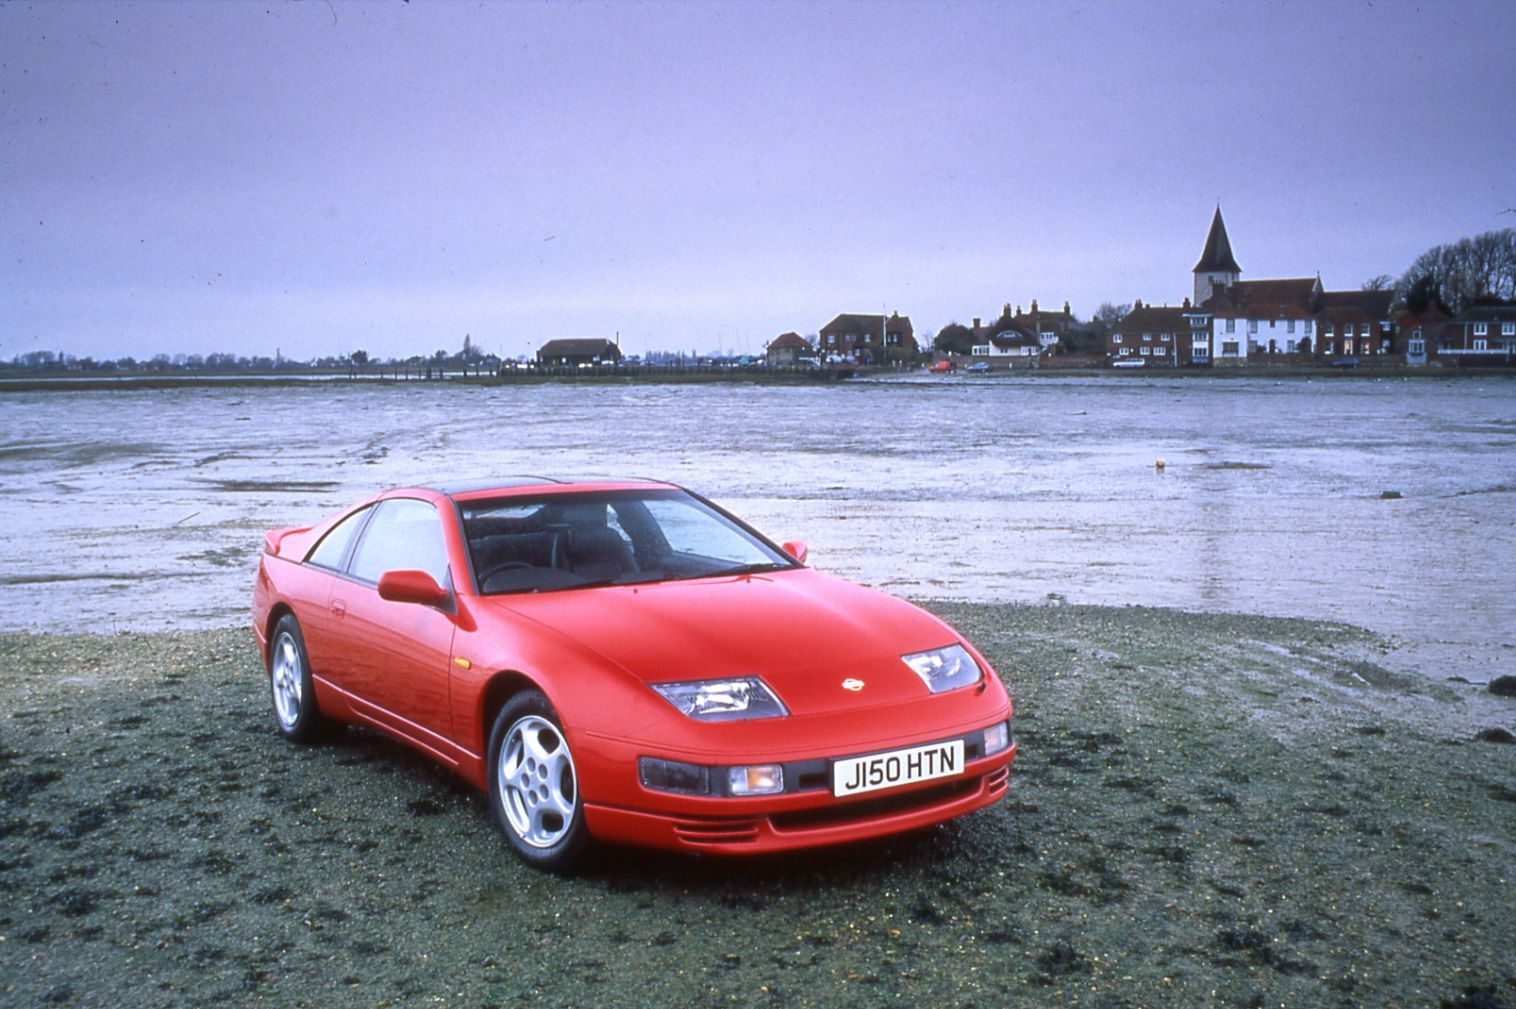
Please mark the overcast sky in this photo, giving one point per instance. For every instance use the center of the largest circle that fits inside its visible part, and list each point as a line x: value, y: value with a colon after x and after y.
x: 321, y: 177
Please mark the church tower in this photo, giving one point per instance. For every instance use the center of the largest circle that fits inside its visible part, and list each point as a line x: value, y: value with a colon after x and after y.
x: 1217, y: 268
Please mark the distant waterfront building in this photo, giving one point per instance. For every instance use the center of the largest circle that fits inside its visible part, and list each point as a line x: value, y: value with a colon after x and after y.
x: 1161, y: 336
x: 868, y: 338
x: 577, y: 353
x: 1244, y: 319
x: 1217, y: 267
x: 1049, y: 327
x: 1417, y: 335
x: 786, y: 350
x: 1481, y: 335
x: 1007, y: 338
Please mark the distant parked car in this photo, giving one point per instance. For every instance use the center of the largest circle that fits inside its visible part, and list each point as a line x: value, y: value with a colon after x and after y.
x: 624, y: 661
x: 978, y: 368
x: 1344, y: 362
x: 1128, y: 362
x: 941, y: 367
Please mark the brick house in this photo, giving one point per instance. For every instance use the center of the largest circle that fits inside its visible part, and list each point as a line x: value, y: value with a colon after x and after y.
x: 787, y: 349
x: 1417, y: 335
x: 869, y: 338
x: 1362, y: 317
x: 1159, y: 336
x: 1481, y: 335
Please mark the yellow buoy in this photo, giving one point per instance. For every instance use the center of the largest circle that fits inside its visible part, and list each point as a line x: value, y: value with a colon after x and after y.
x: 1158, y: 464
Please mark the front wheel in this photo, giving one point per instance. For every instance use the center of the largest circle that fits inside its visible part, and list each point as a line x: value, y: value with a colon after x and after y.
x: 289, y: 673
x: 534, y: 791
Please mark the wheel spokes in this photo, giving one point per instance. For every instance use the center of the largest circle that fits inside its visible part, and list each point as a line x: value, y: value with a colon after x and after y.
x: 536, y: 782
x: 287, y: 681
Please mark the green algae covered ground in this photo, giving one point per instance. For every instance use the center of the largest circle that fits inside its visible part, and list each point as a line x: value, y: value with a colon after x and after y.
x: 1207, y: 811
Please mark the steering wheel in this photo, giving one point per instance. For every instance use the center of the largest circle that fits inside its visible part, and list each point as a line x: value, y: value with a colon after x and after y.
x: 506, y: 566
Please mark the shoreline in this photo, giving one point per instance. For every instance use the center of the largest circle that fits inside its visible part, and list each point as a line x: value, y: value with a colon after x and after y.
x: 1207, y: 810
x: 824, y: 377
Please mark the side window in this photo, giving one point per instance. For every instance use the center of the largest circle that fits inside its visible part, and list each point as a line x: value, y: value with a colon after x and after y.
x: 404, y: 535
x: 333, y: 546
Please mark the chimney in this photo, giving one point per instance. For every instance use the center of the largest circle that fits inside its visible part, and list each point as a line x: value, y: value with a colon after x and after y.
x: 976, y: 322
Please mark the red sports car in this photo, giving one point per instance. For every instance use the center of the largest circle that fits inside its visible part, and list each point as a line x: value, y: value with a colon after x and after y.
x: 625, y: 661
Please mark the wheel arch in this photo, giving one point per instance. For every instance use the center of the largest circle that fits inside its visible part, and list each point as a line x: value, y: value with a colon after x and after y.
x: 276, y: 613
x: 497, y: 694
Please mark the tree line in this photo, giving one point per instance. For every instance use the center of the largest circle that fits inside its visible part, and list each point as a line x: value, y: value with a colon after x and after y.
x: 1468, y: 272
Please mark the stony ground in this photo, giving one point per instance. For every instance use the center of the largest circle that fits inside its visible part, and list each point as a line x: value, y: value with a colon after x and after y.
x: 1207, y: 811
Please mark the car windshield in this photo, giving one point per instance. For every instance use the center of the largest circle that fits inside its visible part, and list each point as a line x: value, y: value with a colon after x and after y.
x: 581, y: 540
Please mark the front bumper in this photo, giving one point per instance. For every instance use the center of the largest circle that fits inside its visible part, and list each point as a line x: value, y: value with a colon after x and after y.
x: 808, y: 820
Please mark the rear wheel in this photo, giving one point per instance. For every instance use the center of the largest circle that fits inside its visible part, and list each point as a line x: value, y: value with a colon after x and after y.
x: 289, y: 673
x: 534, y: 790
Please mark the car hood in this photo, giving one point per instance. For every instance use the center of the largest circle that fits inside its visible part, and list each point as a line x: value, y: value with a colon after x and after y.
x: 804, y: 632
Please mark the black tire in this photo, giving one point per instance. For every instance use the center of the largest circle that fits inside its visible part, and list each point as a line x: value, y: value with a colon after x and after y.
x: 533, y: 786
x: 294, y: 696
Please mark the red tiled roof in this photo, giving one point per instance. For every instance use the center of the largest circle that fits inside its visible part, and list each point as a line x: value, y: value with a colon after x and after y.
x: 1260, y: 311
x: 789, y: 341
x: 1154, y: 319
x: 849, y: 322
x: 578, y: 348
x: 1375, y: 303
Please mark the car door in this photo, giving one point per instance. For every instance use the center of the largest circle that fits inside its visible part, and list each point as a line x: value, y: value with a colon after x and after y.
x: 328, y: 562
x: 396, y: 657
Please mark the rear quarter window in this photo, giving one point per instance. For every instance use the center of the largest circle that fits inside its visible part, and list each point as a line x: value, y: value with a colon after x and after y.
x: 329, y: 553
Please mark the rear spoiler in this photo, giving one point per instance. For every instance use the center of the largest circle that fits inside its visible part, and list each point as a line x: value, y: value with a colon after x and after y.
x: 274, y: 537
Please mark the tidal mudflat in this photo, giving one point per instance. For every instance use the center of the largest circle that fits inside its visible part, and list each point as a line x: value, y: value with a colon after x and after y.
x: 1208, y: 810
x: 1380, y: 503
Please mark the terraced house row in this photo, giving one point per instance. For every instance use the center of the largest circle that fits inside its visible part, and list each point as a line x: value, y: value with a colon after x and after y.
x: 1234, y: 321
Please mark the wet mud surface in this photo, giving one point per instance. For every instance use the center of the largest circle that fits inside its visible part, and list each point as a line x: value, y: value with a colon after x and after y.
x: 1207, y: 811
x: 1354, y: 501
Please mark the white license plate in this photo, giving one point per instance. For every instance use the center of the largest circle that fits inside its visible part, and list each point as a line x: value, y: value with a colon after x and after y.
x: 898, y: 767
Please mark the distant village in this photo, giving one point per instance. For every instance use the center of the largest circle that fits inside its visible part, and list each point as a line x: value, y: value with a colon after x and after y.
x: 1228, y: 322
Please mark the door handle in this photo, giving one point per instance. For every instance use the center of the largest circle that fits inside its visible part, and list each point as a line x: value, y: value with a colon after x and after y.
x: 339, y: 608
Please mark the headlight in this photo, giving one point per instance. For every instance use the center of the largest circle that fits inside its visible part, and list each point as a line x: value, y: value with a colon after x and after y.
x: 943, y: 669
x: 723, y: 700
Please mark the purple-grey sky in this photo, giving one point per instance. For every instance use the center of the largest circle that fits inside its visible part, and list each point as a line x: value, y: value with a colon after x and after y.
x: 320, y: 177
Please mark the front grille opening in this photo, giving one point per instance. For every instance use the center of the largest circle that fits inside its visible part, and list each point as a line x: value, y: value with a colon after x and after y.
x: 716, y: 831
x: 866, y: 809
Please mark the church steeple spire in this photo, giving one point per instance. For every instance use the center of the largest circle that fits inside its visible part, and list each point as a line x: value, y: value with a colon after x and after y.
x: 1217, y: 267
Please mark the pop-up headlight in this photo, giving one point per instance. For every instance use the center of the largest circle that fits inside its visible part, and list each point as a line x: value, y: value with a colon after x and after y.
x: 943, y: 669
x: 723, y: 700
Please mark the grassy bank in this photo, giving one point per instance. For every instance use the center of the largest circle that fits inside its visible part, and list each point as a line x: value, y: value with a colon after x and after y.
x: 1207, y: 811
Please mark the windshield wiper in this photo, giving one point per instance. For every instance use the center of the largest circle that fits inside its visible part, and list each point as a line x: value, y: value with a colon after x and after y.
x: 629, y: 578
x: 743, y: 569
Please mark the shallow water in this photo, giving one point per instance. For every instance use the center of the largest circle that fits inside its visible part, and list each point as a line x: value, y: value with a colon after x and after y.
x: 145, y: 509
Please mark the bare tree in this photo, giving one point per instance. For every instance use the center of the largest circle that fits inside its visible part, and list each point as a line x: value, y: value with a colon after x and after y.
x: 1383, y: 282
x: 1109, y: 314
x: 1466, y: 271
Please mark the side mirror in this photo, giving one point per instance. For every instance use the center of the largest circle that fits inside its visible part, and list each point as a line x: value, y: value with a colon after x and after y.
x: 411, y: 587
x: 796, y: 549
